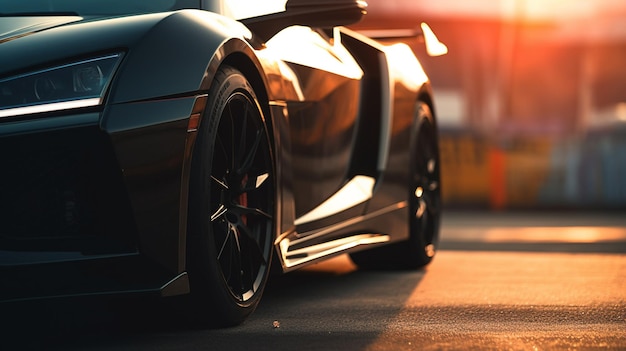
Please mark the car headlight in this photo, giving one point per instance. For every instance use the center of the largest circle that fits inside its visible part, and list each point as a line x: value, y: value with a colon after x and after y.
x: 75, y: 85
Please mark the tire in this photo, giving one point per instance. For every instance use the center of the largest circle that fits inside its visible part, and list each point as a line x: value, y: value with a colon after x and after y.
x: 232, y: 204
x: 424, y: 199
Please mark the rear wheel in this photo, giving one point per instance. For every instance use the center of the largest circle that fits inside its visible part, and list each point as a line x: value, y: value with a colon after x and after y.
x: 231, y: 212
x: 424, y: 198
x: 424, y: 191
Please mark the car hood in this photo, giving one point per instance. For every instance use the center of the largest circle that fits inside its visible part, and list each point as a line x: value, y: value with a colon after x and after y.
x: 39, y: 40
x: 16, y: 27
x: 152, y: 44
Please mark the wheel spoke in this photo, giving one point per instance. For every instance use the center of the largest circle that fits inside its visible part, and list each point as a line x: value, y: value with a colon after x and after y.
x: 253, y: 243
x: 429, y: 202
x: 260, y: 179
x: 427, y: 199
x: 422, y: 207
x: 255, y: 183
x: 221, y: 210
x: 249, y: 159
x: 430, y: 165
x: 221, y: 184
x: 226, y: 237
x: 243, y: 210
x: 236, y: 266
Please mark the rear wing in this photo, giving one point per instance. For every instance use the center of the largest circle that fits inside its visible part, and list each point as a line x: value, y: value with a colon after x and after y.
x: 434, y: 47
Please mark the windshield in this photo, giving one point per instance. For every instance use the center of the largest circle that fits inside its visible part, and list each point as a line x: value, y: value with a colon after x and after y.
x: 92, y: 7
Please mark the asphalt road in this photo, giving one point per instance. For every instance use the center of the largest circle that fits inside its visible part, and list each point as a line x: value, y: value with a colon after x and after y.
x: 503, y: 282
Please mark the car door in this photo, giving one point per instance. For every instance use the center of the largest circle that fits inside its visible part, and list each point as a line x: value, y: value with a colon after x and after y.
x: 323, y: 113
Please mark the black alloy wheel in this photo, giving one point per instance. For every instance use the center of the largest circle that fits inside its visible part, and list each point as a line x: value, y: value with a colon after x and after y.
x: 425, y: 190
x: 232, y: 202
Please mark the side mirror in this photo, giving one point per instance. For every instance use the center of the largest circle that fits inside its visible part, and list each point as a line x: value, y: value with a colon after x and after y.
x: 433, y: 46
x: 310, y: 13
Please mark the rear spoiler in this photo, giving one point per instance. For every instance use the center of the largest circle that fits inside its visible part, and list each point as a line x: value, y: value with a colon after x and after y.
x: 434, y: 47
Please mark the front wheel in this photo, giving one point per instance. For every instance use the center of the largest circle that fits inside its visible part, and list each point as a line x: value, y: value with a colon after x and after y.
x: 232, y: 204
x: 424, y: 203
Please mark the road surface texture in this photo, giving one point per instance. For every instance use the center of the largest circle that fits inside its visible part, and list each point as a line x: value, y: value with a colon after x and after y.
x: 500, y: 282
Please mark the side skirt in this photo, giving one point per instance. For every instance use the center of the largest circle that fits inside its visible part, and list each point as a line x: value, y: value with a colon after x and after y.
x: 299, y: 249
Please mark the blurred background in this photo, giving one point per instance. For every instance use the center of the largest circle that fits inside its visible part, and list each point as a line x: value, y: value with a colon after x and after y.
x: 531, y: 99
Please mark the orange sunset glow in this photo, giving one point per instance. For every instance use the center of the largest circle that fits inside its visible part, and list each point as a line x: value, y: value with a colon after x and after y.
x: 530, y: 98
x: 530, y: 9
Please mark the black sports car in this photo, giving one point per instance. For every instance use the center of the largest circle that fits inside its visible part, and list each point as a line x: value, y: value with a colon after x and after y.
x: 179, y: 147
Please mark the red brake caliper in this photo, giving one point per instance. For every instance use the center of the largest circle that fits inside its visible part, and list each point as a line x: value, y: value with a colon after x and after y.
x: 243, y: 199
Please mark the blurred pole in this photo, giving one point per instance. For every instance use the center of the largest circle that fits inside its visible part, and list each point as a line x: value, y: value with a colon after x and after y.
x: 505, y: 78
x: 585, y: 98
x: 508, y: 38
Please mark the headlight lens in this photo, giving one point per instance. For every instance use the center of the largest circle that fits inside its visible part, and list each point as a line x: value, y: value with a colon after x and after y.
x: 75, y: 85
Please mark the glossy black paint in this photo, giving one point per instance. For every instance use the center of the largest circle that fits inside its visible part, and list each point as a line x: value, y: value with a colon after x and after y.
x: 326, y: 127
x: 322, y: 130
x: 308, y: 13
